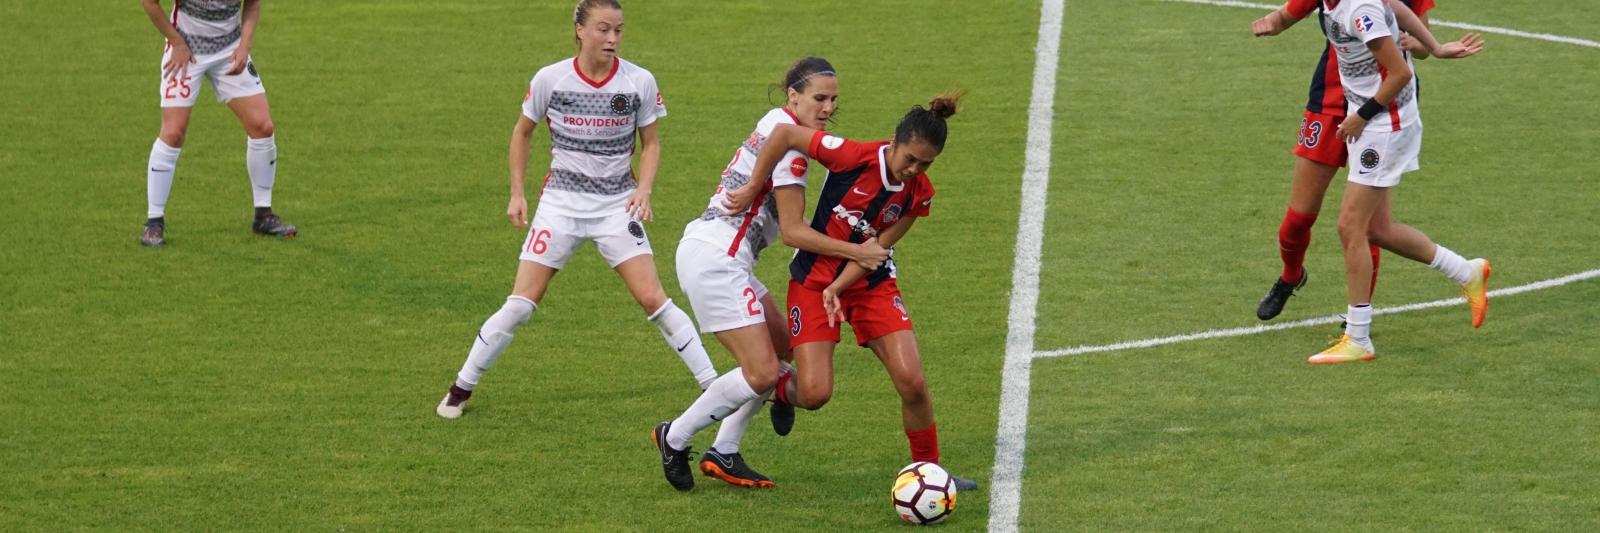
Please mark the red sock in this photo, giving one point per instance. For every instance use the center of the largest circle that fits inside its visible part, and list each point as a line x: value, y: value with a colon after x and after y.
x: 1376, y: 251
x: 924, y: 444
x: 783, y: 381
x: 1294, y: 236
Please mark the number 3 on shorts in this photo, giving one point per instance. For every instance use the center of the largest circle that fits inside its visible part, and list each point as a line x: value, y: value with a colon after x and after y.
x: 794, y: 321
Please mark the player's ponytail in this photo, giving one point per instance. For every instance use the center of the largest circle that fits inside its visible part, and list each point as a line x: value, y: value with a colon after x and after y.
x: 928, y: 123
x: 580, y: 14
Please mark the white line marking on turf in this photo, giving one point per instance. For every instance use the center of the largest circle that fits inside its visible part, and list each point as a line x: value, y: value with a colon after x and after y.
x: 1253, y: 330
x: 1447, y: 24
x: 1005, y: 482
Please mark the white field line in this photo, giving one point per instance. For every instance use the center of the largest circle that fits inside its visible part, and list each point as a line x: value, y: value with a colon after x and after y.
x: 1458, y: 25
x: 1005, y: 482
x: 1253, y: 330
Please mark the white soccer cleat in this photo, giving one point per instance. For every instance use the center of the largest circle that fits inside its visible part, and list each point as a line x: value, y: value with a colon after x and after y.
x: 453, y: 403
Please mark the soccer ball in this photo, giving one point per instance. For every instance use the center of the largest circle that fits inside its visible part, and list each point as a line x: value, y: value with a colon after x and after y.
x: 924, y: 494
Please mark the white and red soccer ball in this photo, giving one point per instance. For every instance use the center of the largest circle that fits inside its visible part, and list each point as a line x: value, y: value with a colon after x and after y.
x: 924, y: 493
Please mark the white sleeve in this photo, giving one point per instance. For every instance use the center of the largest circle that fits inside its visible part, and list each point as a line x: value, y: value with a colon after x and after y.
x: 651, y: 107
x: 791, y: 170
x: 535, y: 104
x: 1368, y: 22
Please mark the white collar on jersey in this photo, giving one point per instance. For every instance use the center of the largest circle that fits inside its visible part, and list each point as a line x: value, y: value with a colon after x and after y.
x: 883, y: 171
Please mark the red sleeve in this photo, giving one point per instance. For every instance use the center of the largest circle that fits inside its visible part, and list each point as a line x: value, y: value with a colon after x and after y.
x: 922, y: 197
x: 1420, y: 7
x: 1300, y: 8
x: 838, y: 153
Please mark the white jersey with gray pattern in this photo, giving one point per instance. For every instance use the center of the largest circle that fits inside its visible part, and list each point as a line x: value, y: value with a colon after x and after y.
x: 593, y: 129
x: 208, y: 26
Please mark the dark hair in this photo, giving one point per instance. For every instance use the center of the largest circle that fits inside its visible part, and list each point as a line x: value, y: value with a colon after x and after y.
x: 580, y: 14
x: 928, y: 124
x: 799, y: 77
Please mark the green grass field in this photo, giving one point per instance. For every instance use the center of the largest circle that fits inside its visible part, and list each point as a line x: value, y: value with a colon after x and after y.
x: 229, y: 382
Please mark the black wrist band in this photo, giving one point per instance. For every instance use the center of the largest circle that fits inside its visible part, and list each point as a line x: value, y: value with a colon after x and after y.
x: 1369, y: 109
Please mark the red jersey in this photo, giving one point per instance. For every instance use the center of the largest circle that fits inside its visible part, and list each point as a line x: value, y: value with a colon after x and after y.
x: 858, y: 200
x: 1327, y: 94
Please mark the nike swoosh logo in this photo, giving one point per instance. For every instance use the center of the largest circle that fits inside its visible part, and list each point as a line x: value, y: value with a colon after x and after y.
x: 686, y: 345
x: 1364, y: 172
x: 713, y: 417
x: 859, y: 191
x: 154, y: 169
x: 726, y: 462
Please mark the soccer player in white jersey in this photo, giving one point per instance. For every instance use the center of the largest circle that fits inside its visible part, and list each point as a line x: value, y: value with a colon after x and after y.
x: 210, y: 40
x: 597, y: 107
x: 716, y: 268
x: 1384, y: 133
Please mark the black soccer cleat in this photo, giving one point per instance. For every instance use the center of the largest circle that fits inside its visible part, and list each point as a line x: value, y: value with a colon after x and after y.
x: 270, y: 225
x: 674, y: 463
x: 1272, y: 304
x: 782, y: 414
x: 730, y: 468
x: 154, y: 234
x: 963, y: 484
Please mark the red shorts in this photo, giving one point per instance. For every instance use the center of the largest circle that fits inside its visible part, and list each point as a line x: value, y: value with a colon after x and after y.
x: 1319, y: 140
x: 872, y: 313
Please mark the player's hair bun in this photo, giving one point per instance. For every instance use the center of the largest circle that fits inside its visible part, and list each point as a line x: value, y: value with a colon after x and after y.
x: 946, y: 105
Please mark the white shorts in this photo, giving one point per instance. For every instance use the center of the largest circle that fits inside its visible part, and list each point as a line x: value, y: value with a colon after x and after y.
x: 183, y: 91
x: 723, y: 291
x: 1379, y: 158
x: 553, y: 238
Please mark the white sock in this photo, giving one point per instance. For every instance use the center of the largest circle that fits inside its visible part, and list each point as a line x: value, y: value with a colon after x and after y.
x: 732, y: 429
x: 722, y: 398
x: 1358, y: 323
x: 678, y: 330
x: 261, y: 160
x: 493, y: 338
x: 158, y: 181
x: 1451, y: 264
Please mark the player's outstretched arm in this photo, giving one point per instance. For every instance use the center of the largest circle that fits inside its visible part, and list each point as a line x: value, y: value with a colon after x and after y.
x: 1416, y: 29
x: 791, y: 200
x: 521, y: 136
x: 1277, y: 21
x: 177, y: 66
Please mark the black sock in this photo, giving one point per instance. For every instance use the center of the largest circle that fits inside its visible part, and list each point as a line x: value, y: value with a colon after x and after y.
x: 159, y: 221
x: 262, y: 212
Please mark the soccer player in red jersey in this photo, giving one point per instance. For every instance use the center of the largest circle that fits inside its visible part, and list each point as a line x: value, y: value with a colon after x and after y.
x: 1319, y: 154
x: 874, y: 190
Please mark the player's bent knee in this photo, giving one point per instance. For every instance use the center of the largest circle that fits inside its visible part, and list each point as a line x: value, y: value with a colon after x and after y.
x: 761, y: 377
x: 813, y: 398
x: 913, y: 390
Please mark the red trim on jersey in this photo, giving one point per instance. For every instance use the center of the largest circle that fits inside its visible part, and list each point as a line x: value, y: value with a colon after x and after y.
x: 616, y: 65
x: 174, y: 24
x: 1394, y: 111
x: 755, y: 210
x: 791, y: 115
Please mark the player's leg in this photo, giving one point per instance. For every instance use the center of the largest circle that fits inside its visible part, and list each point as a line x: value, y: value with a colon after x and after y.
x: 1356, y: 213
x: 901, y: 358
x: 178, y: 95
x: 623, y: 244
x: 811, y: 341
x: 1317, y: 158
x: 781, y: 413
x: 551, y: 241
x: 261, y: 162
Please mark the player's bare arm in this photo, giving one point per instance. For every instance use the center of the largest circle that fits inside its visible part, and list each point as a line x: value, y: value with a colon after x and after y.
x: 796, y: 233
x: 521, y: 136
x: 1388, y: 55
x: 784, y: 137
x: 853, y: 272
x: 178, y: 65
x: 249, y: 16
x: 1273, y: 23
x: 649, y: 164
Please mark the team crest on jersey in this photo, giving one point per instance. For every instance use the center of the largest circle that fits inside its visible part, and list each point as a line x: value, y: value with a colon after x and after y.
x: 1369, y: 159
x: 251, y: 66
x: 891, y: 214
x: 623, y: 104
x: 902, y: 307
x: 636, y: 229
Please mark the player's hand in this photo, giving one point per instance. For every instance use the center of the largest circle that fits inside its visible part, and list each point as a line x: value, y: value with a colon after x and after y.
x: 238, y: 60
x: 737, y: 200
x: 639, y: 205
x: 1350, y: 129
x: 831, y: 307
x: 1269, y: 25
x: 517, y: 211
x: 177, y: 65
x: 870, y: 254
x: 1466, y: 46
